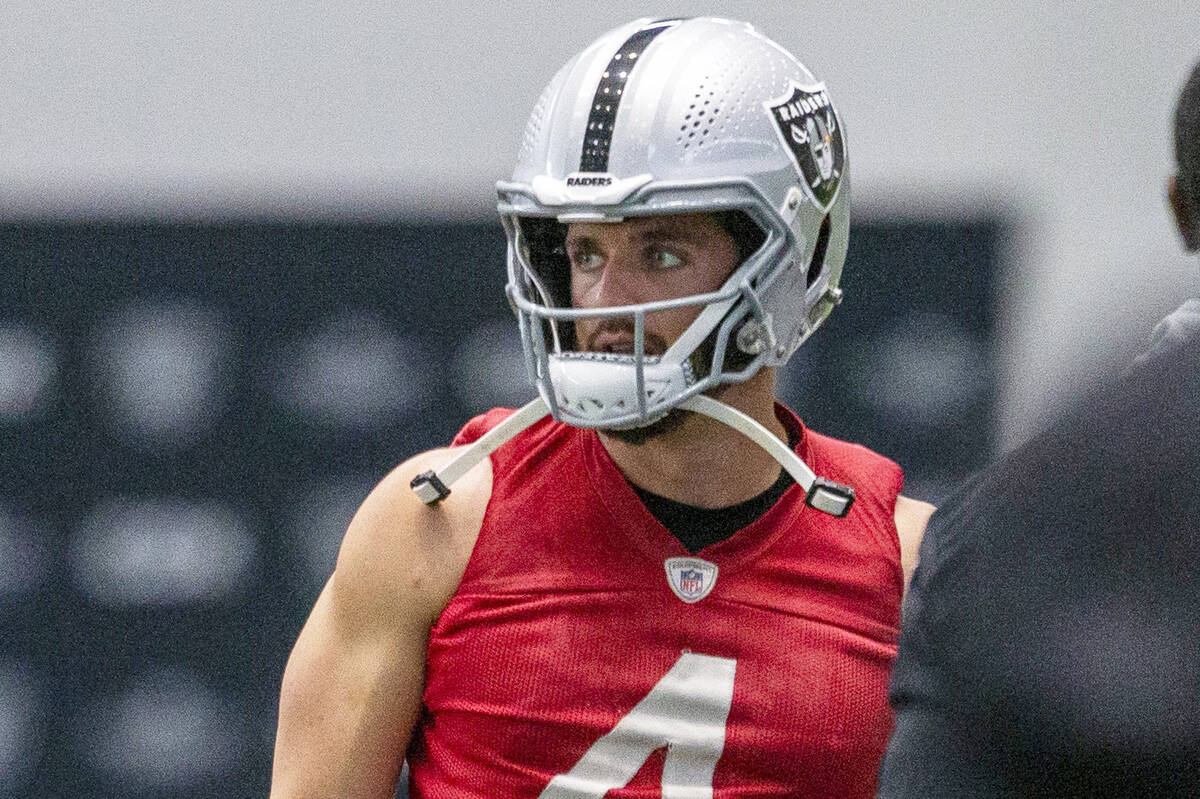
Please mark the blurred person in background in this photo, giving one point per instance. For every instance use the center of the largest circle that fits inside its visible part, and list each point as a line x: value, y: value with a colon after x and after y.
x: 639, y: 585
x: 1051, y: 643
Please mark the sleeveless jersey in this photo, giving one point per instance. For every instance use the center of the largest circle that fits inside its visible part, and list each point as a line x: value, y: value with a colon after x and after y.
x: 577, y: 659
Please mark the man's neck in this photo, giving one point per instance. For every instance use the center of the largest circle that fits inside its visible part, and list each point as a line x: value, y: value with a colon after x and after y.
x: 704, y: 462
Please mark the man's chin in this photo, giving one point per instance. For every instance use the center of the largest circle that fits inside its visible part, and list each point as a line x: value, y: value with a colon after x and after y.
x: 640, y: 435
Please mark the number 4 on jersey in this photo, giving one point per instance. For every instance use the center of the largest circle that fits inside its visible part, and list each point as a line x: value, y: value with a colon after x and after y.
x: 685, y: 712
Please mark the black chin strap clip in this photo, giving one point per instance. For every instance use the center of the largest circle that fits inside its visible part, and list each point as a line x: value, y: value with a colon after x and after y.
x: 429, y: 487
x: 830, y: 497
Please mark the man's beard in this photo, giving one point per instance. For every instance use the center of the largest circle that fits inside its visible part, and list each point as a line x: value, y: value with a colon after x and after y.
x: 640, y: 435
x: 674, y: 420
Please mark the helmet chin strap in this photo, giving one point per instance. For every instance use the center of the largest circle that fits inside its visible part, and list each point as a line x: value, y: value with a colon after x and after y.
x: 829, y: 497
x: 824, y: 495
x: 434, y: 486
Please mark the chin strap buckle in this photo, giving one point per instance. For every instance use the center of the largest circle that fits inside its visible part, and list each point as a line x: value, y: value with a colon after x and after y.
x: 830, y: 497
x: 429, y: 487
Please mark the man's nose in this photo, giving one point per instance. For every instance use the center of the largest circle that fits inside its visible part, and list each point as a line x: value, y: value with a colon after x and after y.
x: 616, y: 284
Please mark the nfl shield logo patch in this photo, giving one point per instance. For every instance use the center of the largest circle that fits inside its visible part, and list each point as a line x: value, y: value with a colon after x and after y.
x: 812, y: 135
x: 691, y: 579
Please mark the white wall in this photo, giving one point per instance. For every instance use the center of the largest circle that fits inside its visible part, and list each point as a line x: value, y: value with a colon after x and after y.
x: 1057, y: 115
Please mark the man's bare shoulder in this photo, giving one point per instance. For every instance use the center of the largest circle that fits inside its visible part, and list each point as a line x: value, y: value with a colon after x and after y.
x: 399, y: 551
x: 911, y: 517
x: 912, y: 514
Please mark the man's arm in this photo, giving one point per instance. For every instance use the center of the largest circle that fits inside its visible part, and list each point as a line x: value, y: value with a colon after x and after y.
x: 911, y: 517
x: 352, y: 688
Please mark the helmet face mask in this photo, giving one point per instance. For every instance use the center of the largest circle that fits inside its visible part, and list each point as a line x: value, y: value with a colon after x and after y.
x: 675, y: 117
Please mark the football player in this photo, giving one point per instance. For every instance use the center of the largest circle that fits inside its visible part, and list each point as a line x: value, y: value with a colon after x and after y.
x: 653, y: 580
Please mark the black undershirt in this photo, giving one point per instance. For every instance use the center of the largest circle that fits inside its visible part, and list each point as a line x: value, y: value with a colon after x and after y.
x: 697, y: 528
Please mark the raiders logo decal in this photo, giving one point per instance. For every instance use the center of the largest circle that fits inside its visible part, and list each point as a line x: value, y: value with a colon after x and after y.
x: 812, y: 135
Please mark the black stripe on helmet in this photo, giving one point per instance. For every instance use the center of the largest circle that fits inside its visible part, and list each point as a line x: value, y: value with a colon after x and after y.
x: 598, y: 137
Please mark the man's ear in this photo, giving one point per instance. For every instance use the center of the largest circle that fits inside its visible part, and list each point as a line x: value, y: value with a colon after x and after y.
x: 1186, y: 217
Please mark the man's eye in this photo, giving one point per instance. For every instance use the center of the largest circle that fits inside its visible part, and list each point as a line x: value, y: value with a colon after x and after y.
x: 586, y: 261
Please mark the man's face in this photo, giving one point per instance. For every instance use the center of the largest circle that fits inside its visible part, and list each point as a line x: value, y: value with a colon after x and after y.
x: 644, y: 259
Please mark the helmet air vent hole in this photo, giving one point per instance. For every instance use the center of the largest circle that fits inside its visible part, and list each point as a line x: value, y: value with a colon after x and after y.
x: 818, y: 257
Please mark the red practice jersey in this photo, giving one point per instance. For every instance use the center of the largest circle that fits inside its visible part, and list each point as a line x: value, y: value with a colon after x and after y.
x: 588, y: 654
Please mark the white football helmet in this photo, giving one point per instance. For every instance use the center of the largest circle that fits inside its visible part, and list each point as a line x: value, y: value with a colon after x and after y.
x: 677, y: 116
